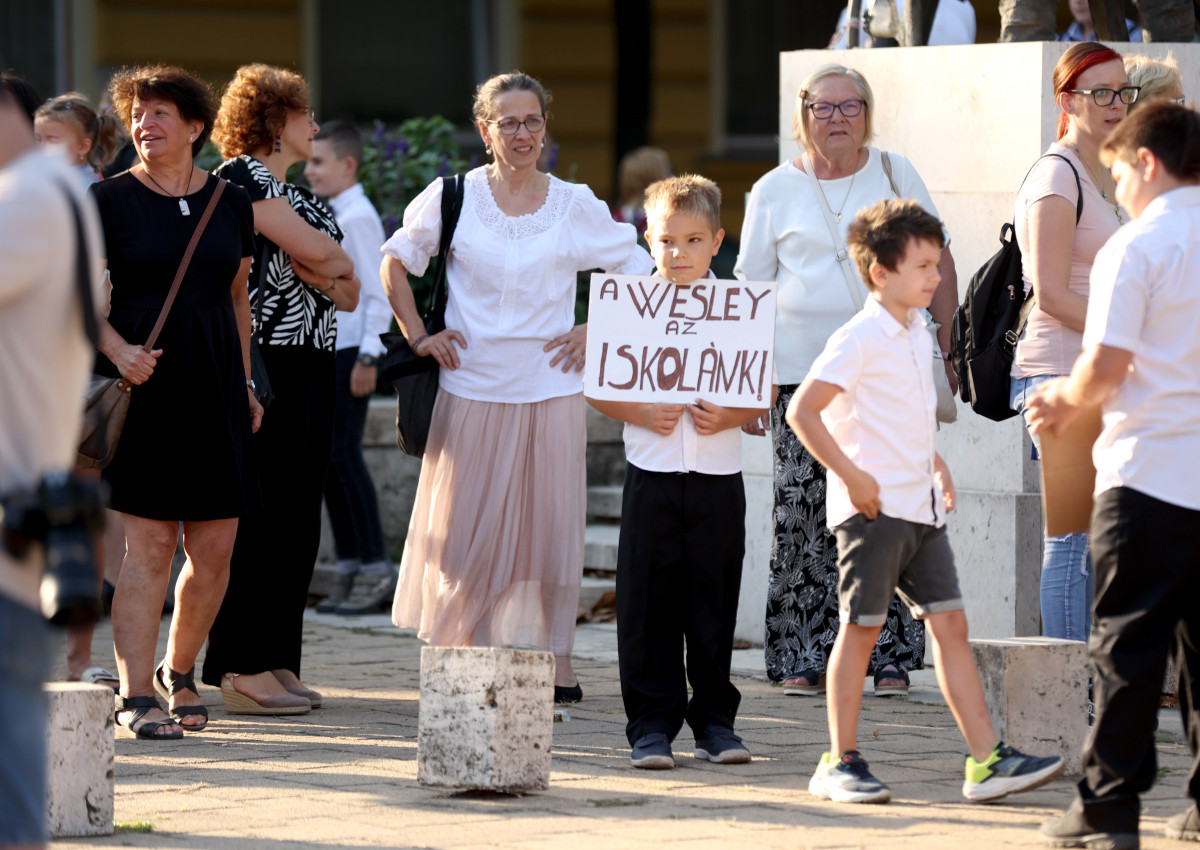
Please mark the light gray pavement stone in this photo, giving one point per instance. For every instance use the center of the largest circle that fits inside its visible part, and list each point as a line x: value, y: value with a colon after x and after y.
x: 345, y: 775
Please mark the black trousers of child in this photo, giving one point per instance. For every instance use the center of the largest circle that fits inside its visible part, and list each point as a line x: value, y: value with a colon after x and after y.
x: 1146, y: 554
x: 679, y: 571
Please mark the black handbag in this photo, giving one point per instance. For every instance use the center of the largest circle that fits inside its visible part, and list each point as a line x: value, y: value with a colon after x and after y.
x: 258, y: 369
x: 416, y: 378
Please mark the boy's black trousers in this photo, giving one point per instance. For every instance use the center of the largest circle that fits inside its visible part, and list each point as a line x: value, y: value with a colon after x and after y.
x: 1146, y: 554
x: 679, y: 571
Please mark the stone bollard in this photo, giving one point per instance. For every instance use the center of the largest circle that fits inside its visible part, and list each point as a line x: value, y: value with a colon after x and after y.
x: 79, y: 759
x: 486, y: 718
x: 1036, y: 691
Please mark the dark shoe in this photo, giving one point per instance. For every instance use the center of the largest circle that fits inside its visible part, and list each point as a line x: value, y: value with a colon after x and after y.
x: 806, y: 683
x: 139, y: 707
x: 1185, y: 826
x: 168, y: 683
x: 1008, y: 771
x: 574, y: 693
x: 653, y: 752
x: 891, y: 671
x: 375, y: 596
x: 847, y: 780
x: 1071, y: 829
x: 719, y: 744
x: 341, y: 592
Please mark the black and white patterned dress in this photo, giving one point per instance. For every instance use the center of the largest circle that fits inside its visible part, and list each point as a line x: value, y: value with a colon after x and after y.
x: 802, y: 603
x: 293, y: 312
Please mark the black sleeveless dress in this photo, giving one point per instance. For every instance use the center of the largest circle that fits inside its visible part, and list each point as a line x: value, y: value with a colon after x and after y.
x: 185, y: 452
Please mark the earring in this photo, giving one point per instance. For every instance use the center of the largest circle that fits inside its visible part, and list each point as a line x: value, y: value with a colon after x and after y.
x: 278, y: 144
x: 543, y: 144
x: 191, y: 138
x: 487, y: 149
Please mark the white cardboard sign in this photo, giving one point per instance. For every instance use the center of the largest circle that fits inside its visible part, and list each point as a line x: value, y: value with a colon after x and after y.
x: 651, y: 340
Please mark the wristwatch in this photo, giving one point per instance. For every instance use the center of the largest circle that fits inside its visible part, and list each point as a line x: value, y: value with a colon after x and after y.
x: 368, y: 360
x: 250, y: 384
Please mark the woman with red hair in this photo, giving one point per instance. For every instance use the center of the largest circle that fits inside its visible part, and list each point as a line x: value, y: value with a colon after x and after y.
x: 1058, y: 244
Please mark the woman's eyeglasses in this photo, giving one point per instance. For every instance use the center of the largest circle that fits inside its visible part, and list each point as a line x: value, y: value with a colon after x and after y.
x: 510, y: 126
x: 823, y: 109
x: 1104, y: 97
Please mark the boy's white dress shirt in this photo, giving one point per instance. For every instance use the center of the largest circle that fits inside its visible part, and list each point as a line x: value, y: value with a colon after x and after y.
x: 363, y: 237
x: 886, y: 416
x: 1145, y: 298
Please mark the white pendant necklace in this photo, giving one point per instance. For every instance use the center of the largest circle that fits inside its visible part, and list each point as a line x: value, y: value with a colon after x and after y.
x: 184, y: 209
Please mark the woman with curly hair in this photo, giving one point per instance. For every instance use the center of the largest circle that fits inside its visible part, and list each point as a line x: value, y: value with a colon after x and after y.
x: 190, y: 411
x: 302, y: 275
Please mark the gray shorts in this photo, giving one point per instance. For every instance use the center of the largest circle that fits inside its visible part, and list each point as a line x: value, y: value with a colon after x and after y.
x: 879, y: 557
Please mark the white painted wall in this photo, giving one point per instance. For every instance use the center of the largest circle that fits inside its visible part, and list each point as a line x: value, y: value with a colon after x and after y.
x: 972, y: 119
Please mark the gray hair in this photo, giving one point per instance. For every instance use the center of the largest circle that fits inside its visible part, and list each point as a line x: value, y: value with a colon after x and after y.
x: 800, y: 128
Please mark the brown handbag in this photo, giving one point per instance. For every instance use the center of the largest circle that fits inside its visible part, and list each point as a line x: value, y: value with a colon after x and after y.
x: 107, y: 402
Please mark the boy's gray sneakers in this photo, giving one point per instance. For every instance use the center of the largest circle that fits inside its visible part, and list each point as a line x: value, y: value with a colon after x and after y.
x: 1072, y: 829
x: 847, y: 780
x: 1008, y: 771
x: 653, y: 752
x: 719, y: 744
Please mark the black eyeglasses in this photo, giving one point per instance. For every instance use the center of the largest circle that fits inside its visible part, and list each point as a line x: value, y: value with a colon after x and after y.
x: 823, y: 109
x: 510, y: 126
x: 1104, y: 97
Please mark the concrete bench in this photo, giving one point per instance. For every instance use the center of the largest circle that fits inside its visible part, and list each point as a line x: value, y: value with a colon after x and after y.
x: 486, y: 718
x: 79, y: 759
x: 1036, y: 690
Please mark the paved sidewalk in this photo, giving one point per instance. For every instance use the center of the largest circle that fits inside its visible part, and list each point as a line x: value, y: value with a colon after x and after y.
x: 345, y: 775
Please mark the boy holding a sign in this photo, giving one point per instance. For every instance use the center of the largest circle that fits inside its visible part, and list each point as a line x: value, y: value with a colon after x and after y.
x: 866, y: 411
x: 679, y: 561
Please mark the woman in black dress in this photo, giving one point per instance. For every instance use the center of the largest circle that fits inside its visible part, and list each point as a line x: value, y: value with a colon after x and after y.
x: 185, y: 453
x: 264, y: 127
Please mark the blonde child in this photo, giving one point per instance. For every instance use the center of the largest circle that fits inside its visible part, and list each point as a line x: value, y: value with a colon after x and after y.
x: 89, y: 139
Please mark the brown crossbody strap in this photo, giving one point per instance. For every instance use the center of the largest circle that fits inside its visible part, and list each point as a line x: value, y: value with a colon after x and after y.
x: 183, y: 265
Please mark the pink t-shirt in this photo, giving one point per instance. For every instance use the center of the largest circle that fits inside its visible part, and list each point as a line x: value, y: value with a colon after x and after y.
x: 1047, y: 347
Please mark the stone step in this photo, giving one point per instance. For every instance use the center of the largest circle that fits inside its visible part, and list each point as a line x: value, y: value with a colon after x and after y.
x: 604, y: 501
x: 600, y: 546
x: 592, y: 589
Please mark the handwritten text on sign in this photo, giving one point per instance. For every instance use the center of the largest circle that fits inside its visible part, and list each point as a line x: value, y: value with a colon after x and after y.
x: 650, y: 340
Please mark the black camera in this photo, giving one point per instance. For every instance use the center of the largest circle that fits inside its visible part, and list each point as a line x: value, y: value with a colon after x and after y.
x: 65, y: 513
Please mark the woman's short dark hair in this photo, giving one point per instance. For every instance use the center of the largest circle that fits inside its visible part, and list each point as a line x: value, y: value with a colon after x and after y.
x: 190, y: 95
x: 256, y: 107
x: 22, y: 92
x: 1169, y: 131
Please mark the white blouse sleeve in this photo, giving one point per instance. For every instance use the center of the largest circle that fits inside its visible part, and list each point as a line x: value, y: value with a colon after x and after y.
x: 758, y: 256
x: 601, y: 241
x: 417, y: 239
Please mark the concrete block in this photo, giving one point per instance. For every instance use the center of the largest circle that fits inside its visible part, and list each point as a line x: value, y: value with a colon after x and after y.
x: 758, y: 477
x: 604, y: 501
x: 600, y: 546
x: 1036, y: 690
x: 79, y: 759
x: 486, y: 718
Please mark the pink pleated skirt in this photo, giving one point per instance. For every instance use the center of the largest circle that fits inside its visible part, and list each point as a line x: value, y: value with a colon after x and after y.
x: 494, y: 553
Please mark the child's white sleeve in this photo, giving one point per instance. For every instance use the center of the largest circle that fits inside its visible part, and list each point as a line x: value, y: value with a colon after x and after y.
x: 1118, y: 295
x: 840, y: 363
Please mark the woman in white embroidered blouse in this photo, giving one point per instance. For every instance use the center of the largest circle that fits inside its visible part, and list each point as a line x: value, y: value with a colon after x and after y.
x: 494, y: 552
x: 786, y: 238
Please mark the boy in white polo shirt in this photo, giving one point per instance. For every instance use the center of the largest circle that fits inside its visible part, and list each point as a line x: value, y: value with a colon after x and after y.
x: 866, y: 411
x: 1141, y: 362
x: 679, y: 560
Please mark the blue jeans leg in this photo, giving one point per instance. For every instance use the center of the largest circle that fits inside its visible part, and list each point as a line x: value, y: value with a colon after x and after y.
x: 1067, y: 584
x: 24, y: 663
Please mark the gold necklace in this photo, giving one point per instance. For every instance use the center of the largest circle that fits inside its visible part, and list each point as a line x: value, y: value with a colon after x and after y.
x: 1103, y: 194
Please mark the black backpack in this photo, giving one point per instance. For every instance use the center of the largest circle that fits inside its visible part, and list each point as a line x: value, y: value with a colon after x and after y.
x: 991, y: 319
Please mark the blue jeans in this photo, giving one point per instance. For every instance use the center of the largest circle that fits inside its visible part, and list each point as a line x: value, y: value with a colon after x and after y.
x: 24, y: 663
x: 1067, y: 584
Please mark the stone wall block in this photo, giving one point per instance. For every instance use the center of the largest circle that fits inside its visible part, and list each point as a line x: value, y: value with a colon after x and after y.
x: 79, y: 759
x: 486, y: 718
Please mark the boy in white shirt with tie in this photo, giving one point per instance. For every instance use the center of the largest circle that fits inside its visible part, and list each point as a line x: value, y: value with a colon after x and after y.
x: 866, y: 411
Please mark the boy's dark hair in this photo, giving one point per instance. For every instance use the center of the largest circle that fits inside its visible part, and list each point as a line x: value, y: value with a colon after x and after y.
x: 1169, y: 131
x: 689, y: 193
x: 24, y: 94
x: 344, y: 138
x: 883, y: 231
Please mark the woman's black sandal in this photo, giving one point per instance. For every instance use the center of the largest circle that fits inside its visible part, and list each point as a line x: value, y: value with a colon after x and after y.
x: 891, y: 671
x: 138, y: 708
x: 168, y: 683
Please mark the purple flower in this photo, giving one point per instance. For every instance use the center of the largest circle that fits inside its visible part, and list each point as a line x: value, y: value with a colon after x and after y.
x: 402, y: 146
x: 552, y: 158
x: 390, y: 149
x: 390, y: 224
x: 474, y: 162
x: 378, y: 130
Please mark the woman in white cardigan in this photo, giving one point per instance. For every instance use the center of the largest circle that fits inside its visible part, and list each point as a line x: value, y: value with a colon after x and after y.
x: 494, y: 552
x: 786, y: 238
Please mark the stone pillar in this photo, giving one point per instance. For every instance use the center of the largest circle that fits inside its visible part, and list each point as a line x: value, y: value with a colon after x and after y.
x: 486, y: 720
x: 79, y: 759
x: 1036, y: 690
